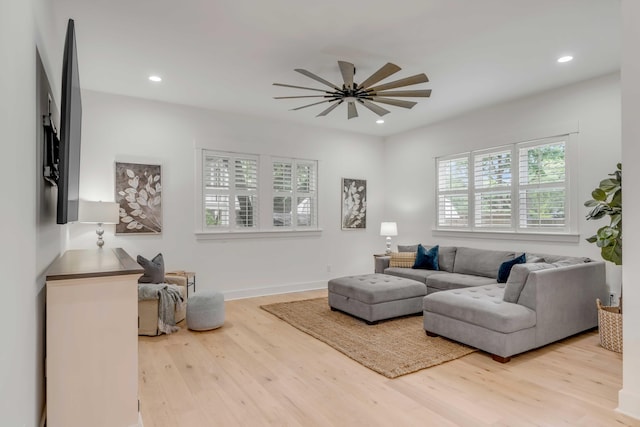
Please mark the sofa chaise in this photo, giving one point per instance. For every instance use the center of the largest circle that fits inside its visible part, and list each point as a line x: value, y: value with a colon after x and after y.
x: 546, y: 299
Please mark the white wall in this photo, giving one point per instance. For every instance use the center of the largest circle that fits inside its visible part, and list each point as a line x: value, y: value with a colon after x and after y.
x: 629, y: 398
x: 593, y: 106
x: 31, y: 238
x: 129, y: 129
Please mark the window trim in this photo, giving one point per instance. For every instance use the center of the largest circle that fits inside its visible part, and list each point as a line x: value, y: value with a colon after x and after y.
x: 569, y: 233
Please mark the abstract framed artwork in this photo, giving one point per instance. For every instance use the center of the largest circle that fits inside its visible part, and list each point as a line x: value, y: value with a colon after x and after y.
x: 354, y: 204
x: 139, y: 194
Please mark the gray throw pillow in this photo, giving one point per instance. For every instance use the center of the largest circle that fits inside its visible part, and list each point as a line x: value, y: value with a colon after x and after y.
x: 153, y: 270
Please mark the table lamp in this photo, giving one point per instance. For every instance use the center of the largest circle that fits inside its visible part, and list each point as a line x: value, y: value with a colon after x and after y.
x: 99, y: 213
x: 388, y: 229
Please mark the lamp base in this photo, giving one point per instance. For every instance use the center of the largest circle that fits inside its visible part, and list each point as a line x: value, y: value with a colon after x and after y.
x: 100, y: 232
x: 388, y: 250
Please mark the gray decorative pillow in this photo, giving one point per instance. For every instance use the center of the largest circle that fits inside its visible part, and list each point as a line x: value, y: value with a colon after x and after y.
x: 153, y: 270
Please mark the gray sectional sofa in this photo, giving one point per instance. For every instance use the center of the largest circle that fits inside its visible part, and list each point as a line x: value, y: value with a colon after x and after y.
x: 546, y: 299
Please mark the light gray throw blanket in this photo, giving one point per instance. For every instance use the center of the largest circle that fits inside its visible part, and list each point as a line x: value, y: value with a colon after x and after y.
x: 169, y: 299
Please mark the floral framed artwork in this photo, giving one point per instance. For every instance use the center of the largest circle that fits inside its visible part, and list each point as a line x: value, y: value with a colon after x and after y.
x: 354, y: 204
x: 139, y: 193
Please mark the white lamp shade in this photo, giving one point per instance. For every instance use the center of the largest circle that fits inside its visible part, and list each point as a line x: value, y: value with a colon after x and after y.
x: 98, y: 212
x: 388, y: 229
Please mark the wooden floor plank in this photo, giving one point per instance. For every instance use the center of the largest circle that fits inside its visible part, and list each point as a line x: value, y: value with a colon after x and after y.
x: 258, y: 370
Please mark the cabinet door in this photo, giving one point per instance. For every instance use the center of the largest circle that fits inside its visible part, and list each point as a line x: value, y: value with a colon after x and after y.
x: 92, y: 352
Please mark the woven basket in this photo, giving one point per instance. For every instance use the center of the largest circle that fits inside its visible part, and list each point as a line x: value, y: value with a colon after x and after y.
x: 610, y: 327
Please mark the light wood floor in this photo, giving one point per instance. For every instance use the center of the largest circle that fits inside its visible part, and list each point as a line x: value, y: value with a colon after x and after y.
x: 258, y: 371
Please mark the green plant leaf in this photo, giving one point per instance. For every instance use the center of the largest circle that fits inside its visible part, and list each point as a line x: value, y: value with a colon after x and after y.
x: 591, y: 203
x: 609, y: 185
x: 599, y: 194
x: 616, y: 200
x: 592, y: 239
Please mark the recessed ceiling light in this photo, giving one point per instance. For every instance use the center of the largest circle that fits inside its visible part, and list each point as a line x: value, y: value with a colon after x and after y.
x: 379, y: 121
x: 565, y: 58
x: 155, y: 79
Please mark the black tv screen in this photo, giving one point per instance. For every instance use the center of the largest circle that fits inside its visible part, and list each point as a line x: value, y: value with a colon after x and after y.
x: 70, y: 129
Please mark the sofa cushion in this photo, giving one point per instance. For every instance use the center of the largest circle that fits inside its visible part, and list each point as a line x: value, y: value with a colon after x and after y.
x: 408, y: 248
x: 446, y: 258
x: 446, y: 281
x: 427, y: 259
x: 402, y: 259
x: 480, y: 262
x: 505, y: 267
x: 482, y: 306
x: 409, y: 273
x: 518, y: 278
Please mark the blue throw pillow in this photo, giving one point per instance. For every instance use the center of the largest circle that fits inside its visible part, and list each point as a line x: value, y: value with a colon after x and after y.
x: 427, y: 259
x: 505, y: 267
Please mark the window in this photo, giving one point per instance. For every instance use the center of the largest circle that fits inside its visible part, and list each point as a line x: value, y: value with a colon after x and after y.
x: 233, y: 185
x: 542, y: 190
x: 230, y: 190
x: 492, y: 189
x: 521, y: 187
x: 453, y: 192
x: 294, y: 193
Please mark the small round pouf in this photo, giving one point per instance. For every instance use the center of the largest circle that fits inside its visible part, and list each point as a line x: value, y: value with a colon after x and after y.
x: 205, y: 311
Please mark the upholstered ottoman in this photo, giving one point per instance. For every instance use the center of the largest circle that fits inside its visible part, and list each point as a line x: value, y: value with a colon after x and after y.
x: 205, y: 311
x: 375, y: 297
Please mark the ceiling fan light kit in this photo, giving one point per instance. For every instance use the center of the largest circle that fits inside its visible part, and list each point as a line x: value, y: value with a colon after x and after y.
x: 365, y: 93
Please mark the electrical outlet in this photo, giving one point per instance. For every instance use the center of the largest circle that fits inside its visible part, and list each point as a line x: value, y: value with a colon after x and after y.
x: 613, y: 300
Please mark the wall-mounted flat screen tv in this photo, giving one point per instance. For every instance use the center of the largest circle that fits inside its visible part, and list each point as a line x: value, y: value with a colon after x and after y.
x: 70, y: 130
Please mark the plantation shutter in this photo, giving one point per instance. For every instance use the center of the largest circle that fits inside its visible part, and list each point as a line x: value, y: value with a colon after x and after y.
x: 230, y: 190
x: 492, y: 185
x: 453, y: 192
x: 306, y: 197
x: 246, y: 192
x: 543, y: 186
x: 294, y: 193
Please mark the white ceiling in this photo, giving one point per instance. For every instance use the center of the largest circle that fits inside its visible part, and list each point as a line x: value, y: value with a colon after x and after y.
x: 225, y: 54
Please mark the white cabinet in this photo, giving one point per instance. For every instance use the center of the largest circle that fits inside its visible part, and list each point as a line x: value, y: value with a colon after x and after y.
x: 92, y: 341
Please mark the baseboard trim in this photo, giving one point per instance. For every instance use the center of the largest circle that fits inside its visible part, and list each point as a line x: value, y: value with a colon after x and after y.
x: 274, y: 290
x: 629, y: 404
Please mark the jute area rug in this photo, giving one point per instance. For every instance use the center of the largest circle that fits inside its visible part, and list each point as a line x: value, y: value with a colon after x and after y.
x: 391, y: 348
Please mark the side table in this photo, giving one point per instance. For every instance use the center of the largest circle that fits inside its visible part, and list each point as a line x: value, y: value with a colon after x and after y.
x: 189, y: 275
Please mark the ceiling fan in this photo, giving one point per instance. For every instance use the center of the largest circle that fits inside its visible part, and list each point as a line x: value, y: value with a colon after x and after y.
x: 364, y: 93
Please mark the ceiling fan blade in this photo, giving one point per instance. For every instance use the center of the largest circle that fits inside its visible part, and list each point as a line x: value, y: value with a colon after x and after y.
x: 330, y: 109
x: 300, y: 96
x: 310, y: 105
x: 410, y: 93
x: 396, y: 102
x: 317, y: 78
x: 300, y: 87
x: 352, y: 111
x: 375, y: 108
x: 348, y: 70
x: 385, y: 71
x: 413, y: 80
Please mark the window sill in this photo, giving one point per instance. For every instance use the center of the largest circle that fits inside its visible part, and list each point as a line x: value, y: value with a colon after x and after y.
x: 262, y: 234
x: 510, y: 235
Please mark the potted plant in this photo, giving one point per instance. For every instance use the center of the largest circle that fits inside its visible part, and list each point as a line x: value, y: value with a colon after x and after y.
x: 607, y: 202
